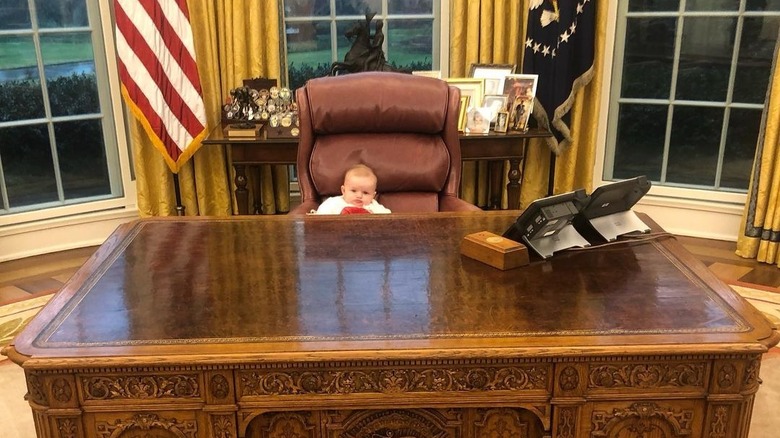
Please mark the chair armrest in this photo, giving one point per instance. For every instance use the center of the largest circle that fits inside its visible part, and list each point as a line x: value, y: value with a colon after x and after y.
x: 305, y: 207
x: 451, y: 203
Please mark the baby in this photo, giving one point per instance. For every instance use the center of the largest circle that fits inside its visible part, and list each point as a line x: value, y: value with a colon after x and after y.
x: 357, y: 194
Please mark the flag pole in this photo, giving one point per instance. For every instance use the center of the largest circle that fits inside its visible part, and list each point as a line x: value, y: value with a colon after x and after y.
x: 177, y: 192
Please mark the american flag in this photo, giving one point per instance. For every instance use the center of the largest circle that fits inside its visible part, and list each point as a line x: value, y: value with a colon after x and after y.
x: 559, y: 47
x: 159, y: 75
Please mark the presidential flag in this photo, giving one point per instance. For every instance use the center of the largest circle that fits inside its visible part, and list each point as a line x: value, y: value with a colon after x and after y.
x: 159, y: 75
x: 559, y: 48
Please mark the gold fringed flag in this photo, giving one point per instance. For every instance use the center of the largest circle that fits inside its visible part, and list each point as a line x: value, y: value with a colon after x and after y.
x: 159, y: 75
x: 559, y: 47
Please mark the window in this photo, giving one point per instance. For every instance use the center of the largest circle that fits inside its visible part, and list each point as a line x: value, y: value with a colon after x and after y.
x: 315, y: 34
x: 58, y: 142
x: 688, y: 89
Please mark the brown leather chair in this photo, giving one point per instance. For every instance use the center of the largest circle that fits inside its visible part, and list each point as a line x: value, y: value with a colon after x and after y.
x: 404, y: 127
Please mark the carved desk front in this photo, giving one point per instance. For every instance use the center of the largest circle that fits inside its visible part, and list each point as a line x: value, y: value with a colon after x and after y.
x: 375, y: 326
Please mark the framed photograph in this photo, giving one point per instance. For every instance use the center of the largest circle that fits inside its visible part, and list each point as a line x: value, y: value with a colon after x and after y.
x: 502, y: 121
x: 519, y: 86
x: 495, y: 103
x: 474, y: 88
x: 520, y: 91
x: 478, y: 120
x: 493, y: 74
x: 464, y: 105
x: 520, y: 113
x: 428, y: 73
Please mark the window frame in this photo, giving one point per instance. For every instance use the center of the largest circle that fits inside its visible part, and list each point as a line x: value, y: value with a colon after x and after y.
x: 615, y: 68
x: 113, y: 118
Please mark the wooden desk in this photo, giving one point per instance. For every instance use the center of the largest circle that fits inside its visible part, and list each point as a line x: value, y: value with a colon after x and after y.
x: 370, y: 326
x: 494, y: 147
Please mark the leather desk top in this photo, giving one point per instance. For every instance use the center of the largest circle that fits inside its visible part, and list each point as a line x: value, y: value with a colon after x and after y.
x: 163, y: 290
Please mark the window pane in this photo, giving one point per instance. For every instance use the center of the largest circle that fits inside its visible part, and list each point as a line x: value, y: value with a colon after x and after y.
x: 306, y: 8
x: 711, y: 5
x: 82, y: 158
x: 755, y: 59
x: 740, y: 148
x: 72, y: 13
x: 20, y: 89
x: 762, y: 5
x: 358, y: 7
x: 647, y: 70
x: 70, y: 73
x: 659, y: 5
x: 27, y: 165
x: 412, y: 44
x: 705, y: 58
x: 410, y: 7
x: 640, y: 141
x: 308, y: 51
x: 14, y: 14
x: 693, y: 147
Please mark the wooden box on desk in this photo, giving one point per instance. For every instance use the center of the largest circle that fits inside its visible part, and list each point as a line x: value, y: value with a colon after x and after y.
x: 494, y: 250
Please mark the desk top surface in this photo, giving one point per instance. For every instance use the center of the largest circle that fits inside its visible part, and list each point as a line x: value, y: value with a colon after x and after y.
x: 326, y: 287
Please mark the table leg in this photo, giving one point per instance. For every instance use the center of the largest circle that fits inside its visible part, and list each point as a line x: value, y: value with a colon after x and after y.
x: 257, y: 187
x: 513, y: 187
x: 242, y: 194
x: 496, y: 178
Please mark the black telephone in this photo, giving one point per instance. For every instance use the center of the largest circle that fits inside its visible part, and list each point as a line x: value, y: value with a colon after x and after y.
x: 538, y: 224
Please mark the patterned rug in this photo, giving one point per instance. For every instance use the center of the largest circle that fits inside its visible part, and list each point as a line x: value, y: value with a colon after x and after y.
x: 14, y: 316
x: 766, y: 300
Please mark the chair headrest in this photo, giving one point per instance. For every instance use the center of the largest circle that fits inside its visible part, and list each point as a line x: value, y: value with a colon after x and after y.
x: 378, y: 102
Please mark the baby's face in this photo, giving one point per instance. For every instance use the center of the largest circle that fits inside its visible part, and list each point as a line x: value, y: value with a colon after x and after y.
x: 358, y: 190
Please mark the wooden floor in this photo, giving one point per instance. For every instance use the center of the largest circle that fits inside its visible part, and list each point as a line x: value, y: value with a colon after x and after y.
x: 25, y: 278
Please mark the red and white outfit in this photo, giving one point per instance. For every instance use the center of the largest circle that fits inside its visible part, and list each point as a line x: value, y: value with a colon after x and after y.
x: 336, y: 205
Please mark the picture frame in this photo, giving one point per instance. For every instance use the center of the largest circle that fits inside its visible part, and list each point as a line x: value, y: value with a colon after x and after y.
x: 519, y: 84
x: 474, y: 88
x: 464, y: 105
x: 428, y: 73
x: 496, y: 103
x: 493, y: 74
x: 502, y: 121
x: 521, y: 92
x: 478, y: 120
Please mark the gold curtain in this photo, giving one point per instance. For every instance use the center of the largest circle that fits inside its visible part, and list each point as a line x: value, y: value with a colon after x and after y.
x: 760, y: 237
x: 234, y: 40
x: 506, y: 21
x: 482, y: 32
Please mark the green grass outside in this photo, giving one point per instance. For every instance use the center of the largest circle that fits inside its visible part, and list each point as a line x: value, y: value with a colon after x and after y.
x: 18, y: 52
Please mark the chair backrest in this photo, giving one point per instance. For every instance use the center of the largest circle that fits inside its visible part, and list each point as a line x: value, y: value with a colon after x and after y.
x: 402, y: 126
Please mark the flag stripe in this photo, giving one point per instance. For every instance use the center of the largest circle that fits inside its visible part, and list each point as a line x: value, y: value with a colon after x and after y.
x: 158, y: 69
x: 155, y: 123
x: 146, y: 26
x: 147, y: 87
x: 175, y: 39
x: 164, y: 69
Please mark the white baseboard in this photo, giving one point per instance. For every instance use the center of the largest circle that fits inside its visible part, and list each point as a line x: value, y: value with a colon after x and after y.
x: 704, y: 219
x: 47, y: 236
